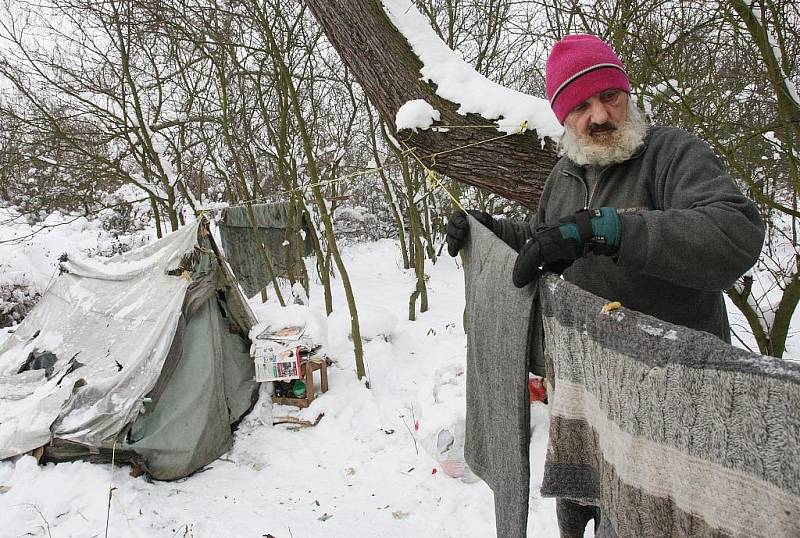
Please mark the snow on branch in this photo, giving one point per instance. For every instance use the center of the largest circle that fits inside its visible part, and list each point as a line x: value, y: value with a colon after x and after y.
x: 459, y: 83
x: 416, y: 114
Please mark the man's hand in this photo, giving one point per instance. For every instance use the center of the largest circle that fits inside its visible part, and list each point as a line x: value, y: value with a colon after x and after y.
x: 458, y: 229
x: 555, y: 247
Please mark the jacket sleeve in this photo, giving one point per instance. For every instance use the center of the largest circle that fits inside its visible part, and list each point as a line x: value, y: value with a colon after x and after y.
x: 708, y: 233
x: 516, y: 233
x: 513, y: 232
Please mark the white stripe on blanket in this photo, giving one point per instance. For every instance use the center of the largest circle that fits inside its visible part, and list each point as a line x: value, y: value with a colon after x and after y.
x: 699, y: 487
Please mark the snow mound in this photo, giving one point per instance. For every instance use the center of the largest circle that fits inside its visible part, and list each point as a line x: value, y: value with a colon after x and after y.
x: 375, y: 322
x: 416, y: 114
x: 274, y: 316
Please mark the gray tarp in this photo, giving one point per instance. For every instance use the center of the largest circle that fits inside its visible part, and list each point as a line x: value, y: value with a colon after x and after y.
x: 115, y: 320
x: 238, y: 242
x: 123, y: 331
x: 191, y: 423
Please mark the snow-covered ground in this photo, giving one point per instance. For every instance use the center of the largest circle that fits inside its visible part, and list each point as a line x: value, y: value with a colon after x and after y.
x: 367, y: 468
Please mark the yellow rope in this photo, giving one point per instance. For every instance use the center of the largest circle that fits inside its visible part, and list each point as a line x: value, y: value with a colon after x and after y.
x: 412, y: 152
x: 433, y: 156
x: 465, y: 146
x: 111, y: 491
x: 433, y: 179
x: 432, y: 175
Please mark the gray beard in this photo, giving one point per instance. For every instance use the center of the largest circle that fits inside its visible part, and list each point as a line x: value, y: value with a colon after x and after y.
x: 623, y: 144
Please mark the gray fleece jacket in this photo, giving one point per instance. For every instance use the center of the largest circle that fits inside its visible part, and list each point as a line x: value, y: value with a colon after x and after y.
x: 687, y: 232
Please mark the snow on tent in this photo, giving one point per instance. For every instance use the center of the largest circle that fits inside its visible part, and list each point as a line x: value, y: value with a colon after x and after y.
x: 144, y: 356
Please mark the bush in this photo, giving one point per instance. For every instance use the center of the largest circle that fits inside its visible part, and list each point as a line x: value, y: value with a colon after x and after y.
x: 16, y: 300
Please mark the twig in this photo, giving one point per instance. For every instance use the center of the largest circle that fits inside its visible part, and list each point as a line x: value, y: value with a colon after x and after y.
x: 46, y: 523
x: 108, y: 509
x: 411, y: 433
x: 297, y: 421
x: 18, y: 240
x: 111, y: 487
x: 740, y: 340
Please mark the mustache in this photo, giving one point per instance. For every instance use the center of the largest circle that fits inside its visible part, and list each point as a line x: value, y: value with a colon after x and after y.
x: 601, y: 127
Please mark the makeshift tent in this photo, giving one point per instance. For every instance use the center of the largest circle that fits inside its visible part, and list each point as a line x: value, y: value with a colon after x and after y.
x: 272, y: 222
x: 144, y: 356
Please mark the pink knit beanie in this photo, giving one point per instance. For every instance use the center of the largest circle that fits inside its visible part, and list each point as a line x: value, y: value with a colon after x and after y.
x: 579, y: 66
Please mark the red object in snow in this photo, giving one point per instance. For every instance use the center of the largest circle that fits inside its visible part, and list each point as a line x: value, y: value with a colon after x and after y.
x: 537, y: 390
x: 433, y: 471
x: 416, y: 425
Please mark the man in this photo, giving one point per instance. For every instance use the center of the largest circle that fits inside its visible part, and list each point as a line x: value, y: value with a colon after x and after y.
x: 643, y: 215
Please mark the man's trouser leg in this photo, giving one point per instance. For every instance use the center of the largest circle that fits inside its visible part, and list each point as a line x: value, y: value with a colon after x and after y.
x: 573, y: 517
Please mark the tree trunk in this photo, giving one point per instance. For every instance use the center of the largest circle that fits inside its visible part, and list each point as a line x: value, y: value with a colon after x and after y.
x: 391, y: 201
x: 382, y: 61
x: 156, y: 216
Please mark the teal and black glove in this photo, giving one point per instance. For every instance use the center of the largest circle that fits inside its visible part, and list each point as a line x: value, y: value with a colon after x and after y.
x: 555, y: 247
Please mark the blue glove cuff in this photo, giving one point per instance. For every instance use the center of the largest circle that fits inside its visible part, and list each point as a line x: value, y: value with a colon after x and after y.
x: 569, y: 230
x: 605, y: 225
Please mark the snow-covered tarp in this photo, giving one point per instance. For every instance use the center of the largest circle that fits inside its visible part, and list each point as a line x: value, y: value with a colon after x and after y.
x: 80, y: 365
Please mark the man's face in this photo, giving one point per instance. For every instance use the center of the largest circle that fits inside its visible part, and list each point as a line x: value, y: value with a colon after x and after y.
x: 596, y: 120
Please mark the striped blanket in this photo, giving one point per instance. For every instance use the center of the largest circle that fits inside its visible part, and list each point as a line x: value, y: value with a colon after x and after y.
x: 671, y: 431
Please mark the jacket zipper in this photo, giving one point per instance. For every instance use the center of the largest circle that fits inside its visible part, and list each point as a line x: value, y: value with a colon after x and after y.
x: 596, y: 185
x: 589, y: 195
x: 583, y: 182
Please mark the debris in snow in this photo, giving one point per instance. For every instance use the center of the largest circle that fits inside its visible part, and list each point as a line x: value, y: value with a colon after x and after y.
x: 658, y: 331
x: 613, y: 305
x: 47, y: 160
x: 298, y: 422
x: 416, y: 114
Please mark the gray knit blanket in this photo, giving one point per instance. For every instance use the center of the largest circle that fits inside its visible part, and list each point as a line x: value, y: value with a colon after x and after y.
x: 498, y: 403
x: 670, y: 431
